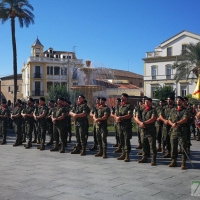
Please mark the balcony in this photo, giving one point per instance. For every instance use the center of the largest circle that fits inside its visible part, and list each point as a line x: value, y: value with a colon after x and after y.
x: 153, y: 77
x: 37, y: 93
x: 168, y: 77
x: 153, y: 54
x: 37, y: 75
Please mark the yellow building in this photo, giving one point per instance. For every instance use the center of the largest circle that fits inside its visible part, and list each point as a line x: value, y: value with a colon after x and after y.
x: 46, y: 68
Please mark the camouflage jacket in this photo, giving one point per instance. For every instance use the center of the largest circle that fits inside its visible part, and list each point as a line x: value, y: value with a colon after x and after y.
x: 148, y: 114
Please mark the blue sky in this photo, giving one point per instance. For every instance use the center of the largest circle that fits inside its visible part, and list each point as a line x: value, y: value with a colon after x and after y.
x: 111, y: 33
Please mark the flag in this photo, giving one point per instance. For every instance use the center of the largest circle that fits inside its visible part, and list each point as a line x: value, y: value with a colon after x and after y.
x: 196, y: 93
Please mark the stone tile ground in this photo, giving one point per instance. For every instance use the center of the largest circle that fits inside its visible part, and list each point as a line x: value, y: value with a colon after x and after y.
x: 30, y: 174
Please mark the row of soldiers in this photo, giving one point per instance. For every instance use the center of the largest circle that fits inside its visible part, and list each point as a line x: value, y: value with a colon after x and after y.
x: 174, y: 125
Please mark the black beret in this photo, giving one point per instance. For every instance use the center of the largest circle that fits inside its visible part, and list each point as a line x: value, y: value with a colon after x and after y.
x: 19, y: 101
x: 62, y: 99
x: 149, y: 99
x: 31, y: 99
x: 52, y: 101
x: 82, y: 96
x: 69, y: 102
x: 103, y: 98
x: 98, y: 98
x: 181, y: 98
x: 85, y: 101
x: 124, y: 94
x: 185, y: 98
x: 118, y: 99
x: 171, y: 97
x: 3, y: 101
x: 42, y: 98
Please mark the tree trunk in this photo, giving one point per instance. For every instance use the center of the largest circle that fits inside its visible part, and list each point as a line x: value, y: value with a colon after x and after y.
x: 14, y: 57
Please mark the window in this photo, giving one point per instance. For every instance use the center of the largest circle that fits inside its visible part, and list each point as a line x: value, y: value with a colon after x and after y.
x: 56, y: 70
x: 74, y: 74
x: 153, y: 89
x: 168, y: 72
x: 75, y: 83
x: 69, y: 57
x: 48, y: 70
x: 9, y: 89
x: 49, y: 85
x: 140, y: 85
x: 169, y: 51
x: 47, y: 55
x: 64, y: 57
x: 56, y: 84
x: 184, y: 72
x: 184, y: 48
x: 183, y: 90
x: 64, y: 71
x: 37, y: 88
x: 17, y: 88
x: 51, y: 70
x: 154, y: 72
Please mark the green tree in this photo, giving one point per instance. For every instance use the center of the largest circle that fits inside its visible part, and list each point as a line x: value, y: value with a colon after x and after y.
x: 11, y: 9
x: 188, y: 63
x: 55, y: 92
x: 163, y: 92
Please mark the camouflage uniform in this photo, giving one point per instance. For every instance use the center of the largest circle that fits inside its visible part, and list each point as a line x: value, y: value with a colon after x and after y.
x: 166, y: 129
x: 125, y: 127
x: 101, y: 127
x: 17, y: 124
x: 80, y: 127
x: 29, y: 122
x: 3, y: 123
x: 42, y: 124
x: 50, y: 125
x: 148, y: 134
x: 59, y: 126
x: 178, y: 134
x: 36, y: 130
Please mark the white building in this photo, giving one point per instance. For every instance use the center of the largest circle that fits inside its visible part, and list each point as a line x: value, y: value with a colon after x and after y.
x: 47, y: 68
x: 158, y: 70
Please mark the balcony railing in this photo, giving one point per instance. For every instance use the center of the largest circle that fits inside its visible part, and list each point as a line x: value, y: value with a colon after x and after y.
x: 168, y: 77
x: 37, y: 93
x: 153, y: 54
x: 37, y: 75
x: 153, y: 77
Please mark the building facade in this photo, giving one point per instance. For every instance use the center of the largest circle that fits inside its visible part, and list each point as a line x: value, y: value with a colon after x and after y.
x: 7, y: 87
x: 46, y: 68
x: 158, y: 64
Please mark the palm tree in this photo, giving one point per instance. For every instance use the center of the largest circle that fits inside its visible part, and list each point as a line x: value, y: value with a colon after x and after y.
x: 188, y: 63
x: 11, y: 9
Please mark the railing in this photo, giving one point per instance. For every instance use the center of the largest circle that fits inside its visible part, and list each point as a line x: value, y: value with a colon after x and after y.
x: 153, y: 54
x: 37, y: 75
x: 168, y: 77
x: 153, y: 77
x: 37, y: 93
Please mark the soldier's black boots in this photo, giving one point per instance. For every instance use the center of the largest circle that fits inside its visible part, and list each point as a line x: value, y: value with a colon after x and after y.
x: 167, y: 155
x: 94, y: 147
x: 153, y: 161
x: 83, y: 152
x: 139, y: 146
x: 99, y: 153
x: 180, y: 151
x: 49, y: 143
x: 115, y: 145
x: 122, y: 157
x: 127, y: 159
x: 163, y: 148
x: 55, y: 147
x: 28, y: 145
x: 16, y: 143
x: 173, y: 163
x: 104, y: 153
x: 3, y: 142
x: 42, y: 147
x: 159, y: 149
x: 118, y: 150
x: 76, y: 151
x: 62, y: 148
x: 143, y: 160
x: 183, y: 165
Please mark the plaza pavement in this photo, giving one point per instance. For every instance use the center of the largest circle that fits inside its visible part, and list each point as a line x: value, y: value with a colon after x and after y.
x: 31, y: 174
